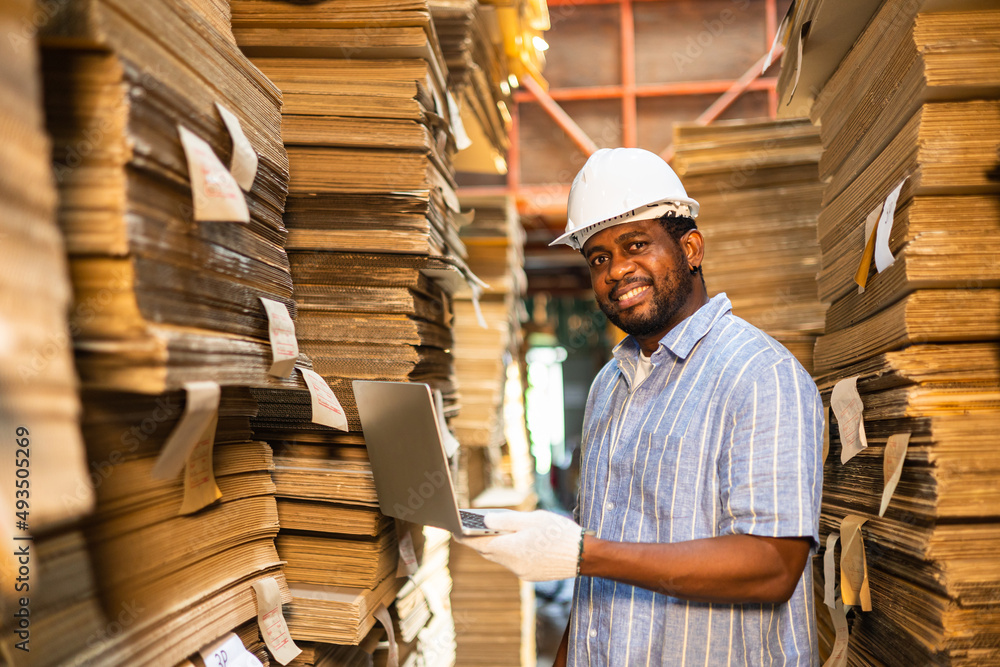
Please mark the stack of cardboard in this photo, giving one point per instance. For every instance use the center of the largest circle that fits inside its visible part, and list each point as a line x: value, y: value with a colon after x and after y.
x: 185, y: 573
x: 375, y: 255
x: 172, y: 179
x: 49, y: 605
x: 495, y: 243
x: 472, y: 43
x: 910, y: 124
x: 169, y: 259
x: 494, y: 612
x: 759, y: 191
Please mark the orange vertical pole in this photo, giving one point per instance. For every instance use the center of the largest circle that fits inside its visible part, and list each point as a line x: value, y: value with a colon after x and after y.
x: 629, y: 122
x: 771, y: 20
x: 514, y: 153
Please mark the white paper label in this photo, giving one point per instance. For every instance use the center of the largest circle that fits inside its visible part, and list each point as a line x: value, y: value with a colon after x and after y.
x: 883, y: 256
x: 281, y: 330
x: 407, y: 554
x: 798, y: 66
x: 447, y: 438
x: 853, y: 564
x: 245, y: 160
x: 462, y: 140
x: 272, y: 623
x: 777, y: 40
x: 477, y: 291
x: 849, y: 411
x: 217, y: 195
x: 830, y: 571
x: 228, y: 652
x: 326, y: 408
x: 200, y: 408
x: 838, y: 656
x: 826, y: 433
x: 382, y: 616
x: 892, y: 466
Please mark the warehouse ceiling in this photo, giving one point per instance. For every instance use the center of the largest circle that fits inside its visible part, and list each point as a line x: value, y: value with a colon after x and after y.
x: 621, y: 73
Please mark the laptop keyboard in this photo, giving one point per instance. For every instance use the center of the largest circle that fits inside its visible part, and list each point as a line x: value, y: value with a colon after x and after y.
x: 472, y: 520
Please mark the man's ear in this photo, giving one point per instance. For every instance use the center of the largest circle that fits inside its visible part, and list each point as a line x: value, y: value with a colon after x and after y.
x: 693, y: 245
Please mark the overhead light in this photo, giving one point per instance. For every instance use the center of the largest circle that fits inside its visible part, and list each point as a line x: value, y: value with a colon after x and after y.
x: 540, y: 43
x: 513, y: 81
x: 505, y: 88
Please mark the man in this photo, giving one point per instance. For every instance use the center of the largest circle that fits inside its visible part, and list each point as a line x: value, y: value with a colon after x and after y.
x: 700, y: 464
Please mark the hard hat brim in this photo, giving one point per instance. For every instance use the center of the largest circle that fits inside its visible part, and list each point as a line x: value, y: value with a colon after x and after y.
x: 578, y: 237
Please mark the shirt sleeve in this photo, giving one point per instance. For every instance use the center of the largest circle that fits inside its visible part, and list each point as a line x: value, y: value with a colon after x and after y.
x: 770, y: 470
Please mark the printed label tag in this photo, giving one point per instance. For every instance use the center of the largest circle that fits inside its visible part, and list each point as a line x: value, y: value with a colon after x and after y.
x: 272, y: 623
x: 281, y: 330
x: 849, y: 411
x: 245, y: 160
x: 216, y: 194
x: 200, y: 488
x: 200, y: 408
x: 228, y: 652
x: 326, y: 408
x: 838, y: 656
x: 407, y: 554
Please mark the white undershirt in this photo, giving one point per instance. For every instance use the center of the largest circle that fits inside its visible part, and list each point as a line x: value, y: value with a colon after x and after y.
x: 643, y: 367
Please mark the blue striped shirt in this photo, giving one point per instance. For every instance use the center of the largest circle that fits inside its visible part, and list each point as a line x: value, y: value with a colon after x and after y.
x: 724, y: 437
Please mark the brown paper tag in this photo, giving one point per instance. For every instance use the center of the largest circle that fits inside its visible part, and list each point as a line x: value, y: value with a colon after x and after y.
x: 853, y: 564
x: 200, y: 407
x: 200, y: 488
x: 864, y: 267
x: 217, y: 195
x: 281, y: 330
x: 382, y: 616
x: 272, y: 623
x: 849, y: 411
x: 326, y: 408
x: 830, y: 571
x: 245, y: 160
x: 892, y: 466
x: 826, y: 433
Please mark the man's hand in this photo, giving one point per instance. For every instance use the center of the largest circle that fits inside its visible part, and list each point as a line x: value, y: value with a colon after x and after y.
x: 539, y: 545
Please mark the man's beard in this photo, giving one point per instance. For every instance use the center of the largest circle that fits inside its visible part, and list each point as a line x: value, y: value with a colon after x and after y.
x: 669, y: 296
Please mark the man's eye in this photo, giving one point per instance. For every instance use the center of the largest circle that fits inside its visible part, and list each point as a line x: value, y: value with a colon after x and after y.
x: 638, y: 245
x: 597, y: 261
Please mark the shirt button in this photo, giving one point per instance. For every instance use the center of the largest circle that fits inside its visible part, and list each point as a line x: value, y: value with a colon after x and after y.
x: 610, y: 505
x: 593, y: 634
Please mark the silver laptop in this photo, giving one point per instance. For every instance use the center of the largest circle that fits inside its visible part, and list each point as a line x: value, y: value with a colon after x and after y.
x: 405, y: 446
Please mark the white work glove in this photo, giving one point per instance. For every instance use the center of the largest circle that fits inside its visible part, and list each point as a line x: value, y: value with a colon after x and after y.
x: 539, y: 545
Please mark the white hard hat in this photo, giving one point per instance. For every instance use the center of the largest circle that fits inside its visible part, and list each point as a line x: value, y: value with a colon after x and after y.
x: 619, y: 185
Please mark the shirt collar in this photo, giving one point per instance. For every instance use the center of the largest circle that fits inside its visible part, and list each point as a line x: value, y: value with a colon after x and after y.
x: 681, y: 339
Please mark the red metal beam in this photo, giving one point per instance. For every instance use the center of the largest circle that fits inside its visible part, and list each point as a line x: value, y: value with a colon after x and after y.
x: 771, y: 21
x: 707, y: 87
x: 562, y: 119
x: 727, y: 98
x: 629, y: 120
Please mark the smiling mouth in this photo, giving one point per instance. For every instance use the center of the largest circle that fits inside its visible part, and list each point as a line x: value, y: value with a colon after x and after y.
x: 631, y: 295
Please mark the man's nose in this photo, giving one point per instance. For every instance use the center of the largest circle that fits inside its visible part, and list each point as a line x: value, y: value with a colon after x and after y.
x: 620, y: 267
